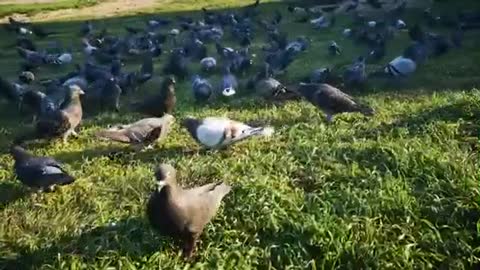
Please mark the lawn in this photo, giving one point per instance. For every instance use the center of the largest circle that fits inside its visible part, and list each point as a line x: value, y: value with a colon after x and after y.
x: 396, y: 191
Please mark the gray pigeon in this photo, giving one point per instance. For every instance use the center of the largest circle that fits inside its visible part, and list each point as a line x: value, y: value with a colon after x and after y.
x: 183, y: 213
x: 202, y: 88
x: 229, y: 83
x: 140, y: 134
x: 41, y: 173
x: 269, y: 87
x: 218, y: 132
x: 208, y: 64
x: 355, y: 75
x: 331, y: 100
x: 334, y: 49
x: 401, y: 67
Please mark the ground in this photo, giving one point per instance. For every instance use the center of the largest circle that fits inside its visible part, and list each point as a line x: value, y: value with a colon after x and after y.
x: 396, y: 191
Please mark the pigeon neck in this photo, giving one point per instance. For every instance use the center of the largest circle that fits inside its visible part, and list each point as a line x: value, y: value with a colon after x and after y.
x: 19, y: 153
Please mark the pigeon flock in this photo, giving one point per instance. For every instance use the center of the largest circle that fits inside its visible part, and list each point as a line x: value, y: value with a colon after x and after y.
x: 56, y: 104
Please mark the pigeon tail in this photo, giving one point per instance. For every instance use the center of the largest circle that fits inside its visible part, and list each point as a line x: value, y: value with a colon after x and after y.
x: 367, y: 111
x: 114, y: 135
x: 221, y: 189
x: 258, y: 131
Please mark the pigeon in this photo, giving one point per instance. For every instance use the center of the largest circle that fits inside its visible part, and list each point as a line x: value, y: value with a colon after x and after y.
x: 182, y: 213
x: 347, y: 32
x: 58, y: 59
x: 33, y: 58
x: 162, y: 103
x: 438, y: 44
x: 41, y: 103
x: 41, y: 173
x: 319, y: 75
x: 355, y: 75
x: 219, y: 132
x: 378, y: 48
x: 141, y: 134
x: 111, y: 93
x: 401, y: 67
x: 61, y: 122
x: 400, y: 24
x: 323, y: 22
x: 11, y: 91
x: 457, y: 38
x: 26, y: 43
x: 201, y: 88
x: 375, y: 4
x: 26, y: 77
x: 334, y: 49
x: 88, y: 49
x: 229, y: 83
x: 299, y: 45
x: 269, y: 88
x: 208, y: 64
x: 417, y: 51
x: 331, y: 100
x: 86, y: 28
x: 146, y: 70
x: 41, y: 33
x: 177, y: 65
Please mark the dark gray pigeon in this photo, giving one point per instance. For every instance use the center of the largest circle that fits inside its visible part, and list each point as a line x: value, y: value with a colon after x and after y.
x: 11, y: 91
x: 160, y: 104
x: 331, y: 100
x: 355, y: 75
x: 183, y: 213
x: 334, y: 49
x: 41, y: 173
x: 111, y: 94
x: 141, y: 134
x: 218, y: 132
x: 202, y: 89
x: 208, y: 64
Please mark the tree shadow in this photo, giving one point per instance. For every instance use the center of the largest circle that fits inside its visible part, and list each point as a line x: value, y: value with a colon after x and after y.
x: 131, y: 237
x: 464, y: 112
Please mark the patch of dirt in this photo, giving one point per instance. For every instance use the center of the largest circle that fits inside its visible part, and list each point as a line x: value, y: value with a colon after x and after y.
x: 6, y: 2
x: 104, y: 9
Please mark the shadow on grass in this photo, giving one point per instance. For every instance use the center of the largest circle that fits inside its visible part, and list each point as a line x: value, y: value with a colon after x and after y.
x: 131, y: 237
x: 11, y: 192
x: 464, y: 112
x: 126, y: 155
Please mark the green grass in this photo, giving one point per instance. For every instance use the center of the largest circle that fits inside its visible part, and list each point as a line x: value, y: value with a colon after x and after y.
x: 397, y: 191
x: 30, y: 9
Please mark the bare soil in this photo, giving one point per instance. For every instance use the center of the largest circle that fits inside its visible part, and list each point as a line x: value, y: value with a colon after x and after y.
x: 104, y: 9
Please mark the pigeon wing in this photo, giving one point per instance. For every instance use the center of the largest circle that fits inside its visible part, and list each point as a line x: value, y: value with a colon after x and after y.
x: 202, y: 203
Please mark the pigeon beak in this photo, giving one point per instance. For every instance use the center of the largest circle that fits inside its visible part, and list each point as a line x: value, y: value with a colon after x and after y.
x: 161, y: 184
x: 81, y: 92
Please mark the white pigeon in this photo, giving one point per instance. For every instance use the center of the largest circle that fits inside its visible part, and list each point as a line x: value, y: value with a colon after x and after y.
x: 218, y: 132
x: 400, y: 24
x: 347, y: 32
